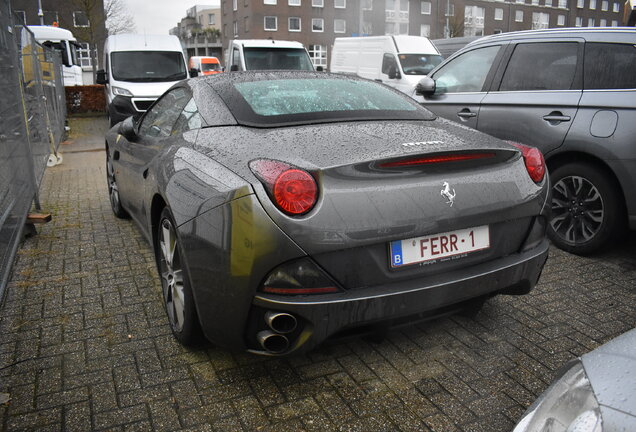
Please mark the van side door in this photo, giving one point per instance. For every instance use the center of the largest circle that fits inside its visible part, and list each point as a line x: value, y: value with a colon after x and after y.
x: 462, y: 82
x: 536, y: 93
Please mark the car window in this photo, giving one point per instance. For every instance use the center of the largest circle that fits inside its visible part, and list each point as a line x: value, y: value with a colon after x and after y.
x: 188, y: 119
x: 609, y: 66
x: 159, y: 120
x: 541, y: 66
x: 236, y: 57
x: 466, y: 72
x: 387, y: 61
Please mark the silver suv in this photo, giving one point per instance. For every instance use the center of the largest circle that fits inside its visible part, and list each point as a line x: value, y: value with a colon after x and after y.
x: 572, y: 94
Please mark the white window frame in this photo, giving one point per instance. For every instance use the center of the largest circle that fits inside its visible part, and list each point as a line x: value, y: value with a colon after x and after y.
x: 425, y: 30
x: 211, y: 19
x: 315, y: 54
x: 580, y: 4
x: 235, y: 28
x: 563, y: 4
x: 499, y: 14
x: 561, y: 20
x: 548, y: 3
x: 616, y: 7
x: 425, y: 7
x: 275, y: 22
x: 535, y: 2
x: 518, y: 16
x: 84, y: 54
x: 234, y: 5
x: 342, y: 6
x: 322, y: 25
x: 592, y: 4
x: 22, y: 14
x: 294, y: 3
x: 344, y: 25
x: 270, y: 2
x: 578, y: 22
x: 602, y: 22
x: 614, y: 23
x: 289, y: 26
x: 591, y: 22
x: 404, y: 2
x: 605, y: 5
x: 317, y: 3
x: 75, y: 20
x: 366, y: 3
x: 399, y: 28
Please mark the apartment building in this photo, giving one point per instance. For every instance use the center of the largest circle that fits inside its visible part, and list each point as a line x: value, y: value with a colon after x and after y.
x: 316, y: 23
x: 200, y: 31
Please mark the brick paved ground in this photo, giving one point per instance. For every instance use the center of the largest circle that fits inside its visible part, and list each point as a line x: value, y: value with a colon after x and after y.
x: 85, y: 344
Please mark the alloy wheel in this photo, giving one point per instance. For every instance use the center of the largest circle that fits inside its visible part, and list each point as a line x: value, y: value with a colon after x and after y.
x: 171, y: 273
x: 113, y: 191
x: 578, y: 210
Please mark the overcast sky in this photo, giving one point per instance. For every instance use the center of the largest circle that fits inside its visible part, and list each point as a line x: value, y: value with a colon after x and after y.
x: 159, y: 16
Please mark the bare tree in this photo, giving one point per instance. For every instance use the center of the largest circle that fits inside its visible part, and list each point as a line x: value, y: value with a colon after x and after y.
x: 118, y: 19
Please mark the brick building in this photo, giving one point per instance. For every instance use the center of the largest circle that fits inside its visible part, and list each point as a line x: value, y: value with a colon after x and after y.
x: 85, y: 19
x: 316, y: 23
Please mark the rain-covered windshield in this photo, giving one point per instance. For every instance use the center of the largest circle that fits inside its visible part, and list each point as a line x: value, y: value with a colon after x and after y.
x: 205, y: 67
x: 277, y: 58
x: 148, y: 66
x: 419, y: 64
x: 271, y: 102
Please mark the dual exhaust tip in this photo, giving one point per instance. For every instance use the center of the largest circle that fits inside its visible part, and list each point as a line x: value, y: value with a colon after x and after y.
x: 274, y: 341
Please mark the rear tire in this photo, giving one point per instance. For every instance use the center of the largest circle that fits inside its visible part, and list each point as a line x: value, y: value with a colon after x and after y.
x: 587, y: 211
x: 113, y: 190
x: 175, y: 283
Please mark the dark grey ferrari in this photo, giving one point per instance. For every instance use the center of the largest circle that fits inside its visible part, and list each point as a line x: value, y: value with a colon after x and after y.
x: 288, y: 207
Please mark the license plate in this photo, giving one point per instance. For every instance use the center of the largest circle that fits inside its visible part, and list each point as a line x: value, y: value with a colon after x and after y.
x: 439, y: 246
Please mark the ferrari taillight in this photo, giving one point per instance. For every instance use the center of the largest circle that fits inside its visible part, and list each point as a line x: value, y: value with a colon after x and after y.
x: 293, y: 190
x: 435, y: 159
x: 533, y: 158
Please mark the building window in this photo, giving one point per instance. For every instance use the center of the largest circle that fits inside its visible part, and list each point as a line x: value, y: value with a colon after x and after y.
x: 520, y: 1
x: 592, y: 4
x: 578, y: 22
x: 404, y: 6
x: 563, y: 4
x: 317, y: 25
x: 614, y: 23
x: 294, y: 2
x: 235, y: 28
x: 474, y: 21
x: 50, y: 17
x: 367, y: 4
x: 426, y: 7
x: 318, y: 3
x: 271, y: 23
x: 246, y: 25
x: 535, y: 2
x: 580, y: 4
x: 602, y: 22
x: 518, y: 16
x: 616, y: 7
x: 540, y: 20
x: 425, y: 30
x: 389, y: 5
x: 269, y: 2
x: 80, y: 19
x: 21, y: 16
x: 404, y: 28
x: 294, y: 24
x: 561, y: 20
x: 450, y: 10
x: 604, y: 5
x: 389, y: 28
x: 498, y: 14
x: 211, y: 19
x: 339, y: 26
x: 234, y: 5
x: 367, y: 28
x: 590, y: 22
x: 548, y: 3
x: 318, y: 55
x: 84, y: 55
x: 340, y: 4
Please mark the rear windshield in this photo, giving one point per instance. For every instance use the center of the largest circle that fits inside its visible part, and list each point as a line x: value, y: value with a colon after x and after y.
x: 148, y: 66
x: 419, y: 64
x: 269, y: 103
x: 277, y: 58
x: 205, y: 67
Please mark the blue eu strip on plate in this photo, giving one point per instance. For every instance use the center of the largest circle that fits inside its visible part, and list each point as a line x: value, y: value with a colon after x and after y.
x: 396, y: 253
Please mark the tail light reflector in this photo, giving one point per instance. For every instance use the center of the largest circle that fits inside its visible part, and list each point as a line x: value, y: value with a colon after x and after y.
x: 299, y: 277
x: 293, y: 190
x: 533, y: 158
x: 437, y: 159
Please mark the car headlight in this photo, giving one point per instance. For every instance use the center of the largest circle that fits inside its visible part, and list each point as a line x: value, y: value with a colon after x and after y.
x: 118, y: 91
x: 569, y: 404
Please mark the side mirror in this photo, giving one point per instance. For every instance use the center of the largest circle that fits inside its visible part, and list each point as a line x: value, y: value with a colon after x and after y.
x: 319, y: 69
x: 393, y: 73
x: 234, y: 68
x: 127, y: 129
x: 194, y: 72
x: 101, y: 77
x: 425, y: 87
x: 222, y: 68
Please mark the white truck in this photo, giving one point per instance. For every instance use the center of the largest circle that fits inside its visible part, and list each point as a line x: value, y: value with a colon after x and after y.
x: 65, y: 43
x: 137, y: 70
x: 266, y: 54
x: 397, y: 61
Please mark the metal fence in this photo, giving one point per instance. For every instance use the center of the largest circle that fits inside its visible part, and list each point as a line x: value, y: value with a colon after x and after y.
x: 32, y: 117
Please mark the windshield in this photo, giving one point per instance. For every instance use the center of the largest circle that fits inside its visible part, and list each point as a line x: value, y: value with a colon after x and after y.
x: 277, y: 58
x: 205, y: 67
x: 276, y: 102
x: 148, y: 66
x: 419, y: 64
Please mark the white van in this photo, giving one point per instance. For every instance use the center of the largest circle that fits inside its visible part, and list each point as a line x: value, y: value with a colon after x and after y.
x: 397, y: 61
x: 137, y: 70
x: 266, y: 54
x: 64, y: 42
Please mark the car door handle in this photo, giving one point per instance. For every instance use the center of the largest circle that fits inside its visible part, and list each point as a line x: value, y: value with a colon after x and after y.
x: 556, y: 117
x: 466, y: 114
x: 378, y: 80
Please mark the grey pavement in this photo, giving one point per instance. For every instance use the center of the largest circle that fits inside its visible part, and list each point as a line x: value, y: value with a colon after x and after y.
x: 85, y: 343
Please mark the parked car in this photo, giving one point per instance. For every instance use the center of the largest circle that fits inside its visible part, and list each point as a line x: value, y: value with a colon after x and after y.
x: 138, y: 68
x: 572, y: 94
x: 205, y: 65
x: 595, y: 393
x: 397, y: 61
x: 266, y: 54
x: 285, y: 207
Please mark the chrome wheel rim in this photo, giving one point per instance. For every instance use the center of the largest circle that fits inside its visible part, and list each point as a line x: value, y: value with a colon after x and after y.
x: 113, y: 190
x: 578, y: 210
x: 171, y: 275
